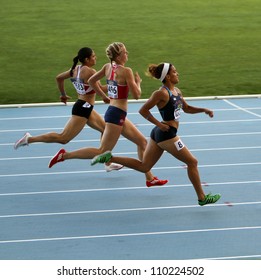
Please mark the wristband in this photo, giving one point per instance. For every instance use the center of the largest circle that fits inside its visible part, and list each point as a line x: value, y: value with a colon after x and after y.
x: 63, y: 94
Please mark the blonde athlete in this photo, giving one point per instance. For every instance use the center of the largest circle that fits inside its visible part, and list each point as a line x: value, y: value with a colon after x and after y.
x: 163, y: 137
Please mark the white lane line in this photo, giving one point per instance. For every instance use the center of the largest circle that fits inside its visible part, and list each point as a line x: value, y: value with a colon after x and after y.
x: 183, y: 136
x: 133, y: 113
x: 129, y: 234
x: 126, y: 188
x: 121, y: 210
x: 231, y: 257
x: 127, y: 169
x: 241, y: 108
x: 138, y: 124
x: 135, y: 153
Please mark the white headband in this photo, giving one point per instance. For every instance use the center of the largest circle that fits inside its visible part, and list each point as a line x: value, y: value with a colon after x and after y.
x: 164, y: 71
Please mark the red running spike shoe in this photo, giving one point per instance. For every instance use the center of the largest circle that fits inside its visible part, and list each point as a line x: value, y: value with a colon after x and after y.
x: 57, y: 158
x: 156, y: 182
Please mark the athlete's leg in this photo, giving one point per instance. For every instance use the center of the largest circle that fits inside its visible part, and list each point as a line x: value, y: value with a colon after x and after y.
x: 151, y: 155
x: 131, y: 133
x: 109, y: 139
x: 96, y: 121
x: 134, y: 135
x: 73, y: 127
x: 176, y: 148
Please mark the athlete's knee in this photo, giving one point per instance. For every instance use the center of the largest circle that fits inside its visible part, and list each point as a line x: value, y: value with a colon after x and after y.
x: 145, y: 167
x: 102, y: 150
x: 63, y: 139
x: 193, y: 162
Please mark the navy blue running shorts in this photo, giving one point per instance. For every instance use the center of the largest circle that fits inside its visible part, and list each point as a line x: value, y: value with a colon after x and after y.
x: 159, y: 136
x: 82, y: 108
x: 115, y: 115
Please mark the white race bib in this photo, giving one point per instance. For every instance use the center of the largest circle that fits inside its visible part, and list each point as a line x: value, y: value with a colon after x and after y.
x: 179, y: 145
x: 112, y: 89
x: 78, y: 85
x: 177, y: 114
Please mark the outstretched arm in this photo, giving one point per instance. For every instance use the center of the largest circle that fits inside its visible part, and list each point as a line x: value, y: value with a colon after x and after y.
x: 194, y: 110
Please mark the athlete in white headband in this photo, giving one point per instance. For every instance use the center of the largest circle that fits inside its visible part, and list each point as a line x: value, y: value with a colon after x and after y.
x: 164, y: 136
x: 165, y: 71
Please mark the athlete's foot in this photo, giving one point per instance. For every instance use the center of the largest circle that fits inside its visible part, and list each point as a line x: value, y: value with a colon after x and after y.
x: 156, y: 182
x: 23, y: 141
x: 102, y: 158
x: 58, y: 157
x: 209, y: 199
x: 113, y: 166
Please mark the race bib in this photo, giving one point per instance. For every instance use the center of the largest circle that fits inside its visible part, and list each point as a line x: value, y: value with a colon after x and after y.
x: 177, y: 114
x: 179, y: 145
x: 78, y: 85
x: 112, y: 89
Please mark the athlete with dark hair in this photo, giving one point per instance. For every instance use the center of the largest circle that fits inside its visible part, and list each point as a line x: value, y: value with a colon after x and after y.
x: 82, y: 111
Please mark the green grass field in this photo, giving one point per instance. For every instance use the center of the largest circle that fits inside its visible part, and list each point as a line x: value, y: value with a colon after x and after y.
x: 215, y: 45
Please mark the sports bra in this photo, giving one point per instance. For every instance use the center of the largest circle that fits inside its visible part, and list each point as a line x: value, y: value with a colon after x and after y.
x: 116, y: 91
x: 79, y: 84
x: 171, y: 111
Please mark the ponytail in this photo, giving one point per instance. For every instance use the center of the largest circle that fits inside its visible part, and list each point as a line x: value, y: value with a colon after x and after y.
x: 156, y: 71
x: 83, y: 53
x: 75, y: 61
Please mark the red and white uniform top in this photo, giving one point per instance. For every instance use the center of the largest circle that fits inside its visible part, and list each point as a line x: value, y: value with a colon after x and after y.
x: 115, y: 90
x: 79, y: 84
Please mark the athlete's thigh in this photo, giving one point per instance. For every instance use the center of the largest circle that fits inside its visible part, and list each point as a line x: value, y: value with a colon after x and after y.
x: 110, y: 136
x: 177, y: 148
x: 152, y: 154
x: 131, y: 132
x: 96, y: 121
x: 73, y: 127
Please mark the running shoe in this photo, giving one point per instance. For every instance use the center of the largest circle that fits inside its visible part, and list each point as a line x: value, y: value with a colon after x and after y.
x: 23, y: 141
x: 209, y: 199
x: 156, y: 182
x: 102, y: 158
x: 57, y: 158
x: 113, y: 166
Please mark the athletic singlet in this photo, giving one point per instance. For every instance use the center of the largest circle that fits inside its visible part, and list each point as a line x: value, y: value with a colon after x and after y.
x: 79, y: 84
x: 116, y: 91
x: 171, y: 111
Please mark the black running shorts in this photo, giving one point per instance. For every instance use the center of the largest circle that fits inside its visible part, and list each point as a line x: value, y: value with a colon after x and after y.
x: 159, y: 136
x: 82, y: 108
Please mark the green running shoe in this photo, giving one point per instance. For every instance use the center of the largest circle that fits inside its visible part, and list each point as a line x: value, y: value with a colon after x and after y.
x: 102, y: 158
x: 209, y: 199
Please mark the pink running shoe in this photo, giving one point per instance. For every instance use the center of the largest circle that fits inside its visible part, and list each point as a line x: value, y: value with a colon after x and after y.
x: 156, y: 182
x: 57, y: 158
x: 113, y: 166
x: 23, y: 141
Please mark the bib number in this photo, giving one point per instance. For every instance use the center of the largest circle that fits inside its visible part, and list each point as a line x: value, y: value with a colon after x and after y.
x: 179, y: 145
x: 112, y: 89
x: 177, y: 114
x: 78, y: 85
